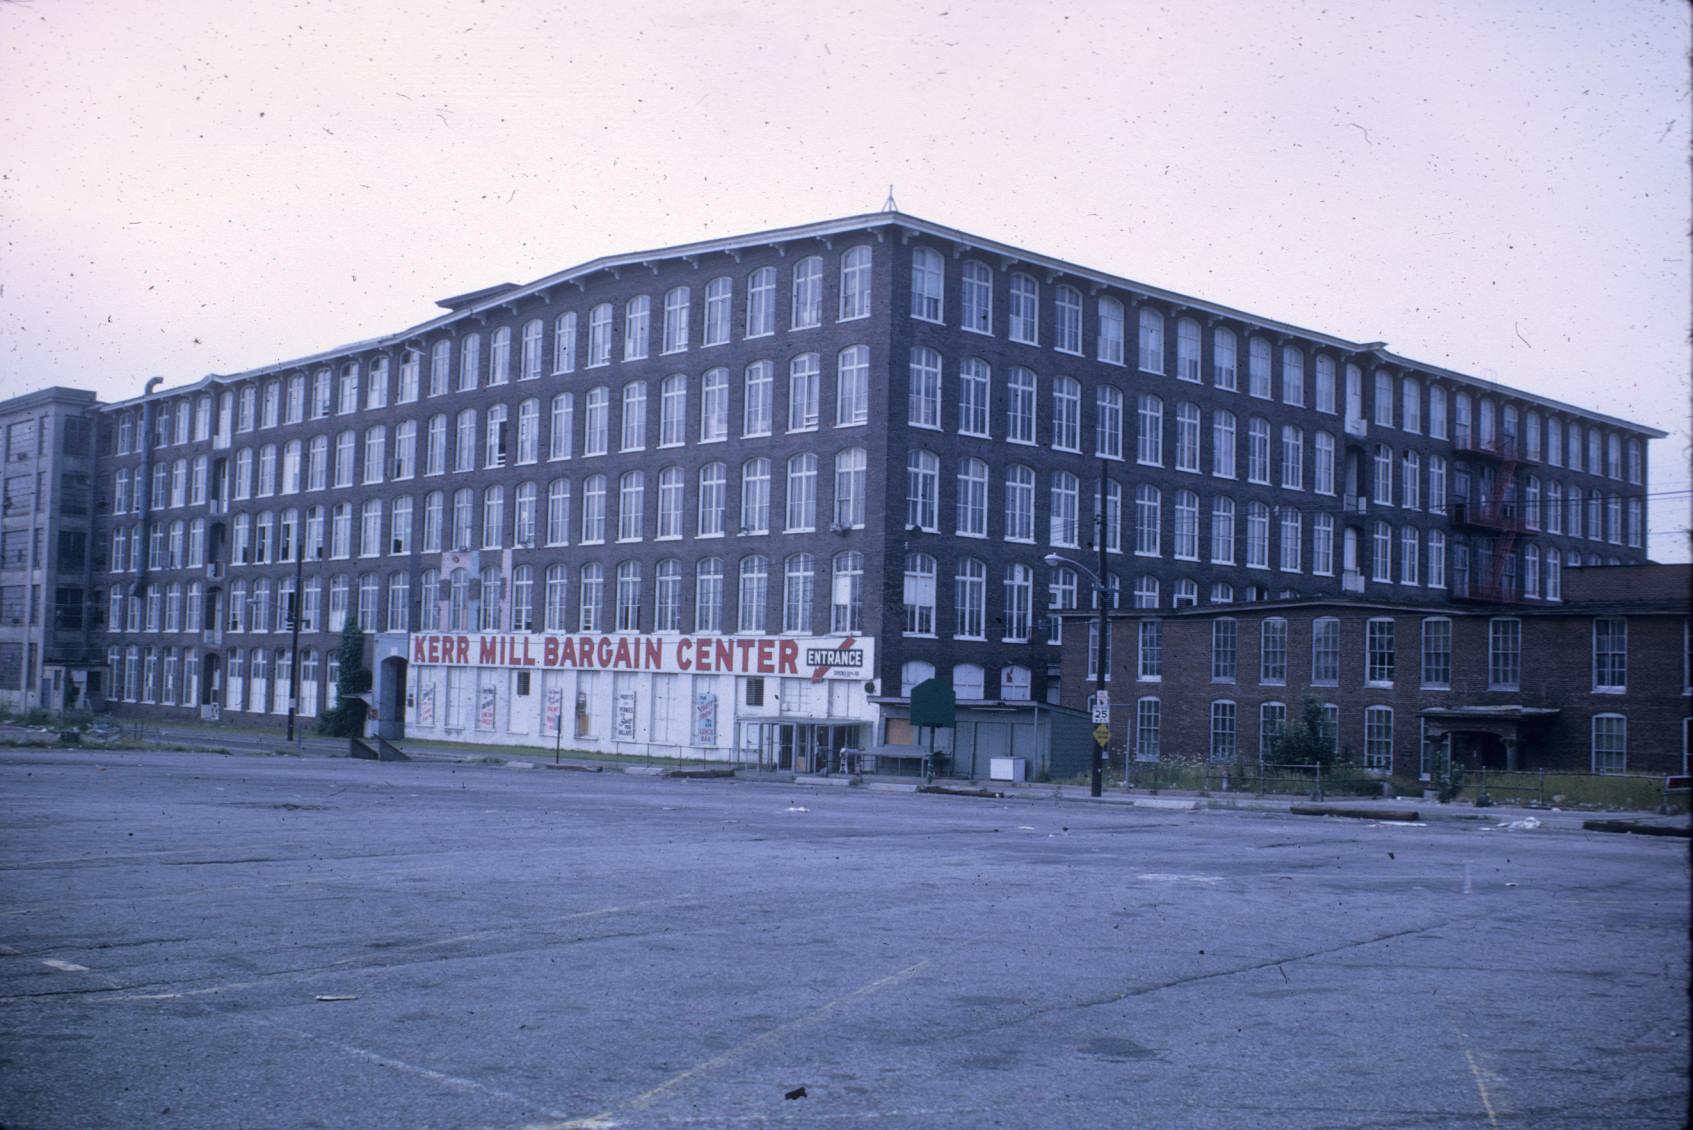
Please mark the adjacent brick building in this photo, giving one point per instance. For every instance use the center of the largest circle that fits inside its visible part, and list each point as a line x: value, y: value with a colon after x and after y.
x: 1597, y: 683
x: 863, y: 435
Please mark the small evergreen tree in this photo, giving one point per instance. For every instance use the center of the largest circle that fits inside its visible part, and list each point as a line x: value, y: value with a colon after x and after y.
x: 346, y: 718
x: 1307, y: 741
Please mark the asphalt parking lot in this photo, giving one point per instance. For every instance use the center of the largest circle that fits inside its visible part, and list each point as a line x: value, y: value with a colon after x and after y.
x: 202, y: 941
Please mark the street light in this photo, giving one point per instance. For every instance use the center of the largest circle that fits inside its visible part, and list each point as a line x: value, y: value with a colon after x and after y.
x: 1101, y: 593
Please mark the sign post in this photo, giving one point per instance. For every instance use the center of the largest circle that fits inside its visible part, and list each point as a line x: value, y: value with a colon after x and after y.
x: 933, y: 704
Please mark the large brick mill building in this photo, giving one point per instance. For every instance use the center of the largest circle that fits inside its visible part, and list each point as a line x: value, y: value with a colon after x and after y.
x: 741, y: 495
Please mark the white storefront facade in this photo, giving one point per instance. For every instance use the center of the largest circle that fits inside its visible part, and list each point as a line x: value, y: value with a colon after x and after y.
x: 783, y: 702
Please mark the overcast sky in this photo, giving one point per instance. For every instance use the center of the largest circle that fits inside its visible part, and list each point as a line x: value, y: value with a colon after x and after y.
x: 1499, y: 188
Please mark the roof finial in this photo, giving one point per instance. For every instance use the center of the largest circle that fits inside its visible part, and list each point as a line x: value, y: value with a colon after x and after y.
x: 888, y: 205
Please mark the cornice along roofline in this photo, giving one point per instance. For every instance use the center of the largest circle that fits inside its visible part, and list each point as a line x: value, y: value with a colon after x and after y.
x: 479, y: 302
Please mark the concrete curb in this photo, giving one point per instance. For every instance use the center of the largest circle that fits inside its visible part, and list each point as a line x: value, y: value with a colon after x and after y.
x: 828, y: 782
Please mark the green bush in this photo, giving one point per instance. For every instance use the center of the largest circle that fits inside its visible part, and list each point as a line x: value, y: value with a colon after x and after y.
x: 346, y: 718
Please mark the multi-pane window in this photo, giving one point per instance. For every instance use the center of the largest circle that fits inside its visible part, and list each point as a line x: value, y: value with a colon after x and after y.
x: 670, y: 486
x: 1019, y: 503
x: 1610, y: 743
x: 1258, y: 368
x: 855, y: 283
x: 923, y: 400
x: 1065, y: 518
x: 1067, y: 414
x: 851, y: 469
x: 1378, y: 652
x: 978, y: 297
x: 1384, y: 399
x: 561, y: 426
x: 599, y: 335
x: 1149, y: 434
x: 1381, y: 553
x: 1149, y: 652
x: 1437, y: 653
x: 758, y: 399
x: 1187, y: 437
x: 1025, y: 309
x: 590, y: 598
x: 596, y: 421
x: 1223, y: 359
x: 677, y: 305
x: 1504, y: 654
x: 1293, y: 457
x: 1257, y: 535
x: 1610, y: 654
x: 1222, y: 531
x: 754, y: 594
x: 634, y: 418
x: 1258, y: 450
x: 708, y: 595
x: 1151, y: 340
x: 637, y: 327
x: 970, y: 594
x: 806, y: 308
x: 719, y: 296
x: 1019, y: 602
x: 564, y: 343
x: 799, y: 583
x: 922, y: 491
x: 1272, y: 723
x: 1223, y: 444
x: 846, y: 608
x: 1067, y: 333
x: 631, y: 505
x: 972, y: 498
x: 803, y: 392
x: 1148, y: 520
x: 802, y: 493
x: 1292, y: 529
x: 755, y: 496
x: 1225, y: 650
x: 1272, y: 651
x: 713, y: 500
x: 1293, y: 375
x: 1409, y: 543
x: 495, y: 453
x: 667, y: 596
x: 1325, y: 651
x: 761, y: 302
x: 593, y: 510
x: 1111, y: 331
x: 499, y: 356
x: 852, y: 386
x: 928, y: 278
x: 919, y: 594
x: 1437, y: 559
x: 1378, y: 737
x: 673, y: 410
x: 1149, y: 725
x: 1187, y: 350
x: 1187, y: 526
x: 1020, y: 406
x: 1223, y: 743
x: 714, y: 406
x: 974, y: 388
x: 529, y: 431
x: 1108, y: 423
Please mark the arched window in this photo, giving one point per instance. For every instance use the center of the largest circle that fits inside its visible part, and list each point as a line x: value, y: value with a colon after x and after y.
x: 1151, y: 340
x: 754, y: 593
x: 590, y: 592
x: 855, y: 283
x: 928, y: 281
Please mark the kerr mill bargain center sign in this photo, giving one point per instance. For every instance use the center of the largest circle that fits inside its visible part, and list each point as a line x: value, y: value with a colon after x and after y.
x: 832, y: 657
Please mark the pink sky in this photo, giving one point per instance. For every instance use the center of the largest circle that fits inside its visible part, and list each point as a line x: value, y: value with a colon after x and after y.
x: 1501, y: 188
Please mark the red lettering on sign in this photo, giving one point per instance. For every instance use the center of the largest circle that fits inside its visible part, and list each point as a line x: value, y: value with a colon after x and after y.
x: 789, y: 657
x: 654, y: 657
x: 724, y: 657
x: 766, y: 657
x: 684, y: 654
x: 463, y: 648
x: 490, y: 651
x: 417, y: 649
x: 549, y: 651
x: 528, y: 657
x: 605, y: 653
x: 621, y: 659
x: 746, y: 655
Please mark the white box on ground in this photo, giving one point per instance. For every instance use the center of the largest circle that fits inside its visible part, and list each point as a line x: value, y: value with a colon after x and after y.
x: 1008, y: 768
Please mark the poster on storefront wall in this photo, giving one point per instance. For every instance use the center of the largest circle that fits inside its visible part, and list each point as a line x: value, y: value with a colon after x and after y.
x: 626, y: 716
x: 485, y: 709
x: 426, y: 707
x: 554, y: 714
x: 705, y: 719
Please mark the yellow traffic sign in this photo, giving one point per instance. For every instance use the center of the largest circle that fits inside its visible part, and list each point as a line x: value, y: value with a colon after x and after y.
x: 1102, y: 734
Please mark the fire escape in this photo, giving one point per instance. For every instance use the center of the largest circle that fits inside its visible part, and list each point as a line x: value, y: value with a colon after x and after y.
x: 1493, y: 513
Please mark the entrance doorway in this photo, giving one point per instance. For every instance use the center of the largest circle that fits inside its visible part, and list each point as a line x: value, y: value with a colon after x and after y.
x: 391, y: 700
x: 804, y: 747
